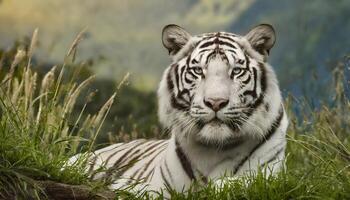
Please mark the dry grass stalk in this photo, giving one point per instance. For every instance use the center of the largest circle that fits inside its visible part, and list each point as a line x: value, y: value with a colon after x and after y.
x: 32, y: 46
x: 123, y: 81
x: 48, y: 80
x: 46, y: 85
x: 74, y: 95
x: 16, y: 89
x: 73, y: 49
x: 103, y: 111
x: 20, y: 55
x: 100, y: 118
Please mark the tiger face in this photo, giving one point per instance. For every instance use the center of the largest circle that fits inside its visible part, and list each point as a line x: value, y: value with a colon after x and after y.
x: 216, y: 83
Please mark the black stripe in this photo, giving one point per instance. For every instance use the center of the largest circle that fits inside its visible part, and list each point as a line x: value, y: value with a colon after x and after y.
x: 253, y: 92
x: 148, y: 164
x: 182, y: 75
x: 170, y: 83
x: 209, y: 56
x: 122, y: 168
x: 201, y: 55
x: 153, y: 146
x: 136, y: 158
x: 232, y: 51
x: 177, y: 104
x: 189, y: 71
x: 92, y: 176
x: 244, y: 71
x: 268, y: 135
x: 263, y: 84
x: 185, y: 163
x: 149, y: 175
x: 137, y: 149
x: 104, y: 151
x: 115, y: 167
x: 181, y: 96
x: 188, y: 81
x: 204, y: 50
x: 208, y: 37
x: 263, y: 81
x: 126, y: 145
x: 91, y: 168
x: 188, y: 60
x: 145, y: 156
x: 227, y: 38
x: 174, y: 103
x: 223, y: 56
x: 274, y: 156
x: 206, y: 44
x: 177, y: 80
x: 167, y: 184
x: 247, y: 62
x: 254, y: 106
x: 247, y: 80
x: 233, y: 57
x: 194, y: 61
x: 168, y: 170
x: 220, y: 42
x: 203, y: 177
x: 255, y: 82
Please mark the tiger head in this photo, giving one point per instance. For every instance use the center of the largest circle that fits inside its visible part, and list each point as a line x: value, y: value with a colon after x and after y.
x: 219, y: 87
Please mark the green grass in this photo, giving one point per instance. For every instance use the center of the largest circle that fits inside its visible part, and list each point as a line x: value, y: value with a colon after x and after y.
x: 317, y: 164
x: 39, y: 132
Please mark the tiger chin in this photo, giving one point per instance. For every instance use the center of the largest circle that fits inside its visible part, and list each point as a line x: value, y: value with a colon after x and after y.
x: 221, y: 101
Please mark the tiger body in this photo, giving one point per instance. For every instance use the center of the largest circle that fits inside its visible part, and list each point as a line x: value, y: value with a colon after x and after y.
x: 221, y: 103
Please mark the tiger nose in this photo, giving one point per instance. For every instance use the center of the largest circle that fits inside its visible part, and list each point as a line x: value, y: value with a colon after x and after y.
x: 216, y: 103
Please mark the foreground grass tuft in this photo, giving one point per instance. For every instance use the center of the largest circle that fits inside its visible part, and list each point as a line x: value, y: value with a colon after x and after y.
x: 39, y: 132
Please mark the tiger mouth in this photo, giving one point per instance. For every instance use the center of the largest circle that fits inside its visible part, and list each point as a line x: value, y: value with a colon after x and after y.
x: 233, y: 124
x: 215, y: 121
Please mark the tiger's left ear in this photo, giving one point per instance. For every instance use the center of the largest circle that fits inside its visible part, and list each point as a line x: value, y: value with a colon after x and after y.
x: 174, y: 38
x: 262, y: 38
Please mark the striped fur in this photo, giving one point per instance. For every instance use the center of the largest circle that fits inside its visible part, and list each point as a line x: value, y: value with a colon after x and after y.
x: 221, y: 102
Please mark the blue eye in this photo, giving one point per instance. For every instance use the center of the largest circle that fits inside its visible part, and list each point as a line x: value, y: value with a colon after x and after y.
x: 198, y: 70
x: 236, y: 70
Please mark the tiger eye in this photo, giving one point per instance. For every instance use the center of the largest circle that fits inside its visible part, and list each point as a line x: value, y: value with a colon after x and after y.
x: 236, y: 70
x: 198, y: 70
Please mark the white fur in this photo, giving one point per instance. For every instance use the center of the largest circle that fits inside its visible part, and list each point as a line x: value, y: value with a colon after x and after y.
x: 213, y: 163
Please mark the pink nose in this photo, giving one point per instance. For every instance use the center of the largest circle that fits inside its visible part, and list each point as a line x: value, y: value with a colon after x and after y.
x: 216, y: 103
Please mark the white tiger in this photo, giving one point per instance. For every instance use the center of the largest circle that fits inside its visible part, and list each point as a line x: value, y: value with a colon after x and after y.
x: 221, y: 102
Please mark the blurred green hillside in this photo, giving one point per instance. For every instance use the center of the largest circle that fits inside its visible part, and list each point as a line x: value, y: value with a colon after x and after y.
x: 124, y: 36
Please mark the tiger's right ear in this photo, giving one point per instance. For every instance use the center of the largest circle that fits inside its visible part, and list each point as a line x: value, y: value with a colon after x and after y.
x: 174, y: 38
